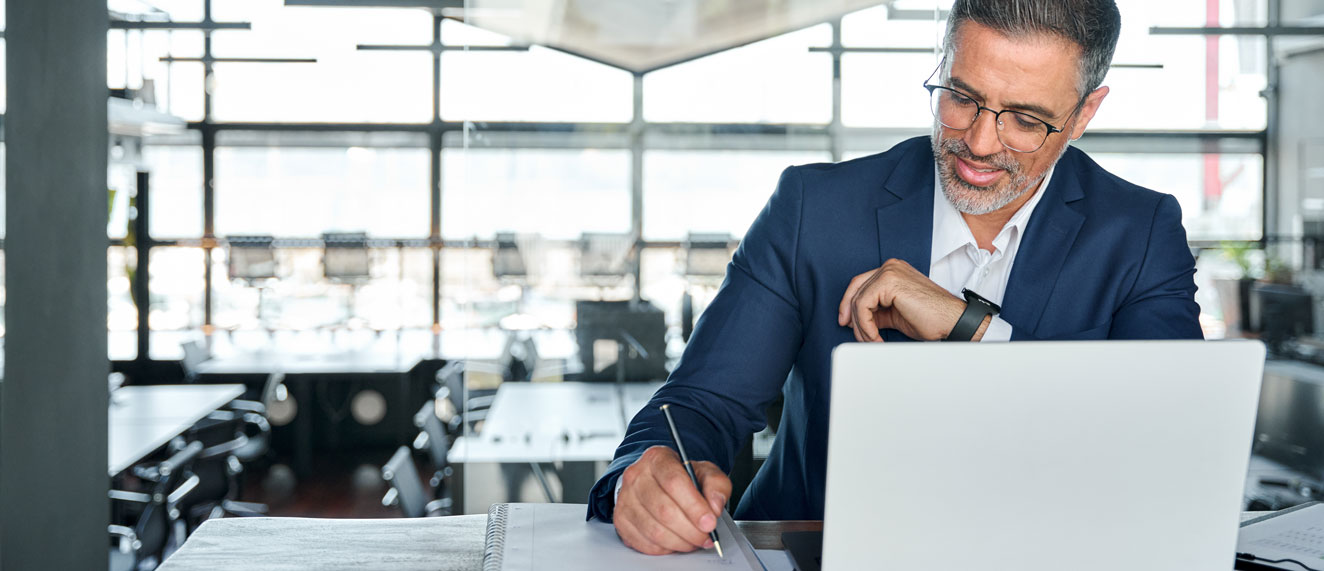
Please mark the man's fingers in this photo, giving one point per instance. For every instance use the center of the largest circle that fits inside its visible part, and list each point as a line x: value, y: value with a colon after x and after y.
x: 684, y: 509
x: 844, y: 308
x: 716, y: 485
x: 635, y: 538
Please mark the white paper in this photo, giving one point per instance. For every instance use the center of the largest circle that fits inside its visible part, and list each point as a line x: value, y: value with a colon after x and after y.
x: 552, y: 537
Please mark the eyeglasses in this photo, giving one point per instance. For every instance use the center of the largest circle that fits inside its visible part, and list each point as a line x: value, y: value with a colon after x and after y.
x: 1018, y: 131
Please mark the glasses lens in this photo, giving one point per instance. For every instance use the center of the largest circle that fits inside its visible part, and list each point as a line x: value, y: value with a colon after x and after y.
x: 952, y: 109
x: 1021, y: 132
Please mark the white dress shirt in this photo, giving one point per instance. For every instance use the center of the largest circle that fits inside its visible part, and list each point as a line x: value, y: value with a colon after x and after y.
x: 957, y: 263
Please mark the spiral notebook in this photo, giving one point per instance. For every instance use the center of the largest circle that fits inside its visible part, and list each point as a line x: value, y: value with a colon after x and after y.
x: 555, y: 536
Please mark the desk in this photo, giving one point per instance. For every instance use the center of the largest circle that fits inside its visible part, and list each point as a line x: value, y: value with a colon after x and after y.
x: 307, y: 376
x: 142, y: 419
x: 551, y: 422
x: 575, y: 424
x: 433, y: 544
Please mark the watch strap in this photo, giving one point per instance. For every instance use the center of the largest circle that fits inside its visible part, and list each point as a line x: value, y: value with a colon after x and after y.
x: 976, y: 309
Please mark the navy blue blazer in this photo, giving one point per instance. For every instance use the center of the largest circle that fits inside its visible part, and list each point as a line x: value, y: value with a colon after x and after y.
x: 1101, y: 259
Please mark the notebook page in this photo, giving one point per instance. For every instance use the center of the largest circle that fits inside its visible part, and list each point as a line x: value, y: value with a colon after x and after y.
x: 553, y: 537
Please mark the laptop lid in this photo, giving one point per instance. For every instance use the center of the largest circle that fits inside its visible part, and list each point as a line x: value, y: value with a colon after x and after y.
x: 1039, y: 455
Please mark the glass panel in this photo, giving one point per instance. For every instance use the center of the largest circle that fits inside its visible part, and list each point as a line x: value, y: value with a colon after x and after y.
x: 886, y: 90
x: 550, y: 192
x: 4, y: 201
x: 121, y: 314
x: 381, y: 191
x: 774, y: 81
x: 4, y: 74
x: 177, y: 288
x: 710, y: 191
x: 1221, y: 196
x: 385, y: 87
x: 882, y: 27
x: 176, y: 200
x: 538, y: 85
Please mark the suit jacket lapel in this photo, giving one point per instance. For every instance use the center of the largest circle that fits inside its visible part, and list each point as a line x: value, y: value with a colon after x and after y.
x: 905, y: 220
x: 1048, y: 238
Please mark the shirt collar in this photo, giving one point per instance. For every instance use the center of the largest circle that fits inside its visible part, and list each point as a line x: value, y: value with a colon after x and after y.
x: 950, y: 232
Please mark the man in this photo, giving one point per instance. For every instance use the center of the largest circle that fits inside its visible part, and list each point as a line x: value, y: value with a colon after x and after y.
x: 881, y: 248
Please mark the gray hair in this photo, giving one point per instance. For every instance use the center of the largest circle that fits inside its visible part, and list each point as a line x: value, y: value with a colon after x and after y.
x: 1091, y: 24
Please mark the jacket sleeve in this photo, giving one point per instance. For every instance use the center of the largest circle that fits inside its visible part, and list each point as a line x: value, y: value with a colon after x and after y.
x: 1161, y: 301
x: 737, y: 358
x: 1161, y: 305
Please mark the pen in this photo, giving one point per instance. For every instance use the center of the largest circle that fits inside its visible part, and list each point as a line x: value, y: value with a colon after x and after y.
x: 684, y: 459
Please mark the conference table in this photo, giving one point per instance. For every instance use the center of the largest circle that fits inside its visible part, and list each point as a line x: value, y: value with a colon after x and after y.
x: 142, y: 419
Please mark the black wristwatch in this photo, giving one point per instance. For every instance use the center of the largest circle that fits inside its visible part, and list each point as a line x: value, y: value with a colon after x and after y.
x: 976, y: 309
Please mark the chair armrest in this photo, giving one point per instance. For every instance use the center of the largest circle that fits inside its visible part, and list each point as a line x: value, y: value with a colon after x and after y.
x: 247, y: 406
x: 126, y: 496
x: 128, y: 539
x: 475, y: 404
x: 183, y: 490
x: 391, y: 498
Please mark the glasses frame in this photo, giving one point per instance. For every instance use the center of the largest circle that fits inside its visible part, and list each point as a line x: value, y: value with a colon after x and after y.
x: 997, y: 115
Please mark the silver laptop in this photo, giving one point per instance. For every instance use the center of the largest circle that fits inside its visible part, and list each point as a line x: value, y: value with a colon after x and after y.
x: 1055, y: 455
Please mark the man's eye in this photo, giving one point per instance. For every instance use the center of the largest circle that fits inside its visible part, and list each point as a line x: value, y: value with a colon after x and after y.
x: 959, y: 99
x: 1025, y: 122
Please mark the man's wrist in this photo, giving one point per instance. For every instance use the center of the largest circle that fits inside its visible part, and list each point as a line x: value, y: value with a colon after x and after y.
x: 983, y: 328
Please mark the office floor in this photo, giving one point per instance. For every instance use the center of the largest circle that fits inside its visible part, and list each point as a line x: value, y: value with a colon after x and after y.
x: 348, y: 484
x: 342, y: 485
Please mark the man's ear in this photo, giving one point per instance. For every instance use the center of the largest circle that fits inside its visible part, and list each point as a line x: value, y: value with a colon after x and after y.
x: 1087, y: 111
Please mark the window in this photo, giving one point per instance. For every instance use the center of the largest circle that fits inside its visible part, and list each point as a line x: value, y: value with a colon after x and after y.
x: 773, y: 81
x: 710, y: 191
x: 344, y: 85
x: 381, y: 191
x: 537, y: 85
x: 1228, y: 208
x: 554, y: 193
x: 176, y: 186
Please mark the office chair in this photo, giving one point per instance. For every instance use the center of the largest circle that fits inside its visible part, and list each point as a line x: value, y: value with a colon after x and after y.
x: 252, y: 260
x: 604, y: 258
x: 256, y: 425
x: 195, y: 354
x: 469, y: 409
x: 222, y: 434
x: 346, y: 260
x: 407, y: 489
x: 432, y: 439
x: 143, y: 544
x: 706, y: 257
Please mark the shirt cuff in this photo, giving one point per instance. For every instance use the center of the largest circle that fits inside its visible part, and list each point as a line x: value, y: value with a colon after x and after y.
x: 615, y: 496
x: 998, y: 330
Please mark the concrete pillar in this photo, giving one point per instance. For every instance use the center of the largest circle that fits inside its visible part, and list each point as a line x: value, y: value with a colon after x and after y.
x: 53, y: 398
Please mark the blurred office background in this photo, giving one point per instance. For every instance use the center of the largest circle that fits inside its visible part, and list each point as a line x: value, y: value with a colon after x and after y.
x: 440, y: 250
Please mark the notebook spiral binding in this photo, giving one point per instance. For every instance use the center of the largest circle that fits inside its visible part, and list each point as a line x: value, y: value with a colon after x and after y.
x: 496, y: 537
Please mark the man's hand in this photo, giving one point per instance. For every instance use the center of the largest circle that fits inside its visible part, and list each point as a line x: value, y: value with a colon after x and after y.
x: 659, y: 511
x: 897, y: 296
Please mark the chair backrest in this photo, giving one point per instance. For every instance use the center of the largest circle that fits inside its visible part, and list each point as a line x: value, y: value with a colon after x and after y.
x: 345, y: 257
x: 250, y: 258
x: 153, y: 526
x: 401, y: 474
x: 194, y: 355
x: 605, y: 255
x: 220, y: 434
x: 438, y: 444
x: 451, y: 377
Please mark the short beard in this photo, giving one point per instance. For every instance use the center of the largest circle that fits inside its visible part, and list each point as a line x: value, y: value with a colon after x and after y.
x: 977, y: 200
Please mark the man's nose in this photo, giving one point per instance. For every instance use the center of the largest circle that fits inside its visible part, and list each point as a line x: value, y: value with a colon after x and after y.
x: 982, y: 137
